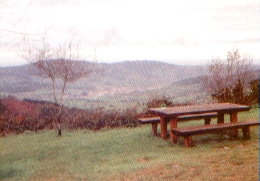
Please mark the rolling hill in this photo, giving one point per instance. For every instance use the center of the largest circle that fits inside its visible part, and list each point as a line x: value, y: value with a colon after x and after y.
x: 110, y: 83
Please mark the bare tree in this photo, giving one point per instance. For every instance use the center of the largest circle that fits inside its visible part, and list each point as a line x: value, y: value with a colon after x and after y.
x: 228, y: 78
x: 60, y: 65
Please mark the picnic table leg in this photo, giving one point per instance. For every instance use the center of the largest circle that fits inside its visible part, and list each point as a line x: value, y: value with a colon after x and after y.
x: 173, y: 124
x: 233, y: 119
x: 207, y: 121
x: 220, y: 117
x: 163, y: 124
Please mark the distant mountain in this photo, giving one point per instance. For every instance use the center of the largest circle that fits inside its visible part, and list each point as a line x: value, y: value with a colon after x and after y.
x: 109, y: 81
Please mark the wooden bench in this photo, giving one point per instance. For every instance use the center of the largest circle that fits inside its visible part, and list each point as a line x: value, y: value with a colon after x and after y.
x: 155, y: 120
x: 187, y: 132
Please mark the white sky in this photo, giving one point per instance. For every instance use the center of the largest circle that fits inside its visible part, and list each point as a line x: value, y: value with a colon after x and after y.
x: 181, y: 32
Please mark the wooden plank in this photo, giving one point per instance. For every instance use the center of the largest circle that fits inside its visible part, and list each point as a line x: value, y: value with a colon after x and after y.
x: 212, y: 128
x: 197, y: 116
x: 150, y: 120
x: 188, y: 132
x: 197, y: 109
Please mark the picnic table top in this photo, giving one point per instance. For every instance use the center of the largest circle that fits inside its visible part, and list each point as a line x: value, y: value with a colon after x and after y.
x: 197, y: 109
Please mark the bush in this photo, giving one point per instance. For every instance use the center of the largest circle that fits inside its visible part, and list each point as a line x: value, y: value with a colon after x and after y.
x: 37, y: 115
x: 237, y: 94
x: 33, y: 115
x: 99, y: 118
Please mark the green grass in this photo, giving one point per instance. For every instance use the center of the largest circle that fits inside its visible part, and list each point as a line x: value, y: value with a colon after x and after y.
x: 127, y: 154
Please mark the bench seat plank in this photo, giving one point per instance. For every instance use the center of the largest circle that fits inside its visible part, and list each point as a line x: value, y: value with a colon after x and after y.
x: 187, y: 132
x: 181, y: 118
x: 149, y: 120
x: 198, y: 116
x: 211, y: 128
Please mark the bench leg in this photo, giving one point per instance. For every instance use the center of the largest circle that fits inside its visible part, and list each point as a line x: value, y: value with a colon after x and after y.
x: 207, y: 121
x: 246, y: 132
x: 154, y: 129
x: 187, y: 141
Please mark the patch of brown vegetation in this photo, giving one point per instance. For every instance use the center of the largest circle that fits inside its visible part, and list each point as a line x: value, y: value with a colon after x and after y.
x: 215, y: 167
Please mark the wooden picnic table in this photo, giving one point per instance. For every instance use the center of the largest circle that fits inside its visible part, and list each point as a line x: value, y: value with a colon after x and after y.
x: 172, y: 113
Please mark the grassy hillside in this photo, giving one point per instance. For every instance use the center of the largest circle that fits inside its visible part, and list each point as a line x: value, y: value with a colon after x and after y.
x: 127, y: 154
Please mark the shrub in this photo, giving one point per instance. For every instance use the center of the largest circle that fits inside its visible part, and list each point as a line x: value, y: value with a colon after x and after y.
x: 237, y: 94
x: 36, y: 115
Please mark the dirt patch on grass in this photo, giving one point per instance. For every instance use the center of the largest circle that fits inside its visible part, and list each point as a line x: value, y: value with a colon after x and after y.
x: 161, y: 172
x: 215, y: 167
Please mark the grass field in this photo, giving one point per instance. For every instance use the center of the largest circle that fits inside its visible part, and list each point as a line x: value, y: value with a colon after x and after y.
x: 127, y: 154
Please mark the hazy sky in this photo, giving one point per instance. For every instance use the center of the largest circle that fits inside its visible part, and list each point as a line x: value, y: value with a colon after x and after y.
x: 181, y: 32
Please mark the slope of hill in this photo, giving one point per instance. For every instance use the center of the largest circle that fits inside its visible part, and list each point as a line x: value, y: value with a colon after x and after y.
x: 132, y: 76
x: 116, y: 82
